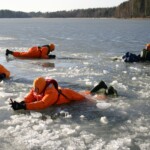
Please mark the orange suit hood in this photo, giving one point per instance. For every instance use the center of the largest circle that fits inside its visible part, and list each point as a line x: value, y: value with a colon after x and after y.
x: 40, y: 84
x: 52, y: 47
x: 148, y: 46
x: 4, y: 70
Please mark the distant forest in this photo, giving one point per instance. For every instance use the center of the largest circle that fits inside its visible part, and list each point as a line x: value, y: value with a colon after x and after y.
x: 128, y: 9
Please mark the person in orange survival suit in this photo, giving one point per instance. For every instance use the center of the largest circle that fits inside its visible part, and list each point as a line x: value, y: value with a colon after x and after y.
x: 35, y: 52
x: 45, y: 93
x: 4, y: 73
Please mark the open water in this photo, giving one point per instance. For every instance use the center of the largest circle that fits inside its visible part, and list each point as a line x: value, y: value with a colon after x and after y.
x: 84, y: 49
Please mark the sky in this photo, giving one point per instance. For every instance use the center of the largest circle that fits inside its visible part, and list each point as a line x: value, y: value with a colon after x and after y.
x: 55, y: 5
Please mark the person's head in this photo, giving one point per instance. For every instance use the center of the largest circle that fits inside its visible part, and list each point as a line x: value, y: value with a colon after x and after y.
x: 39, y: 85
x: 147, y: 46
x: 52, y: 47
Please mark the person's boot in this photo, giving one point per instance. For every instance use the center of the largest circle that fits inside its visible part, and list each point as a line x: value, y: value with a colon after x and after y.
x: 8, y: 52
x: 111, y: 91
x: 101, y: 85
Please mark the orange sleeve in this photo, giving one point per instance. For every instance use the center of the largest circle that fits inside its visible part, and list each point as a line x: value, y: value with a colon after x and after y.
x: 44, y: 52
x: 29, y: 97
x: 49, y: 99
x: 45, y: 56
x: 4, y: 70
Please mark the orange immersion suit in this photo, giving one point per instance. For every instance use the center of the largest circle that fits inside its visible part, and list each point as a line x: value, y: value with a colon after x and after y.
x: 50, y: 94
x: 4, y: 70
x: 34, y: 52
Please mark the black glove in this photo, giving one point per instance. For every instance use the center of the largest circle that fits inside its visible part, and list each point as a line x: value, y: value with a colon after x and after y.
x: 2, y: 76
x: 51, y: 56
x: 16, y: 105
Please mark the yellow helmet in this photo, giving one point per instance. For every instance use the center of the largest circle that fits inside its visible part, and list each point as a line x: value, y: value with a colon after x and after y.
x: 40, y: 84
x: 52, y: 47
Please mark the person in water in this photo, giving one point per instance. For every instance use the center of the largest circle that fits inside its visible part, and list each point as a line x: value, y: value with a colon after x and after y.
x: 35, y: 52
x: 144, y: 56
x: 46, y: 92
x: 4, y: 73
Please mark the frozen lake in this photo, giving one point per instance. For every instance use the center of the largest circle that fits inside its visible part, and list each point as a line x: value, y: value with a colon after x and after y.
x: 84, y: 48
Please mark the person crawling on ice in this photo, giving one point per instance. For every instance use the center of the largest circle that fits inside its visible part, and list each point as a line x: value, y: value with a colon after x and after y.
x: 35, y: 52
x: 46, y: 92
x: 144, y: 56
x: 4, y: 73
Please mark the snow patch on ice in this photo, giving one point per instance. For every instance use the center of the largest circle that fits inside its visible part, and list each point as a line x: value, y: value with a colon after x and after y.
x: 104, y: 120
x: 103, y: 105
x: 119, y: 85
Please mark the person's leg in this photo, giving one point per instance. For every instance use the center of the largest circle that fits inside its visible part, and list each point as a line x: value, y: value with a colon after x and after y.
x: 68, y: 95
x: 21, y: 54
x: 101, y: 85
x: 31, y: 53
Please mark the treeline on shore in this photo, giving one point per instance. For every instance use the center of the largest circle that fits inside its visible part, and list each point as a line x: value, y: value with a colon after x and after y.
x: 128, y: 9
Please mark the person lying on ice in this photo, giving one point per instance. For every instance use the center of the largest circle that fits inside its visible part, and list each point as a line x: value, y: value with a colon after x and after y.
x: 143, y: 56
x: 35, y: 52
x: 46, y: 92
x: 4, y: 73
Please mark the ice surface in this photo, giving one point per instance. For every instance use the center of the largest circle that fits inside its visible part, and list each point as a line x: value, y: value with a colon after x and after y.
x: 103, y: 105
x: 84, y: 49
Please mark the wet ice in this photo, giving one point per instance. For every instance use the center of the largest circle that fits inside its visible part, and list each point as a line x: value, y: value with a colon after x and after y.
x: 118, y: 123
